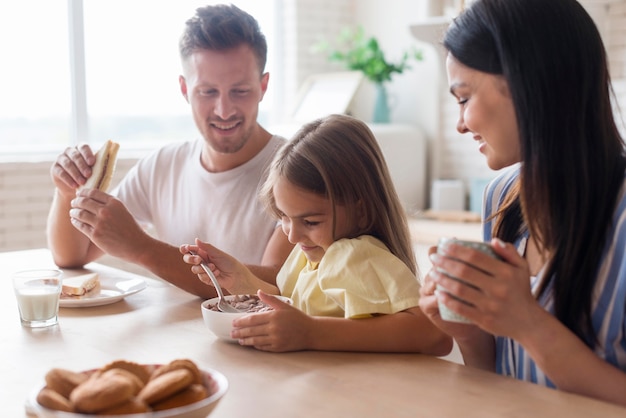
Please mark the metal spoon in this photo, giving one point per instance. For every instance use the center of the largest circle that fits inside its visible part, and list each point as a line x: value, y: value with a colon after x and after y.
x: 222, y: 304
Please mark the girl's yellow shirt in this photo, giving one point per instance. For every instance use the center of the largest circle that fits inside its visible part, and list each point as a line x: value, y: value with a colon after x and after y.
x: 356, y: 278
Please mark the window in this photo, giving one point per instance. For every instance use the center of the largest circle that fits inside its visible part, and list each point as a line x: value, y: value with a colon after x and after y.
x: 35, y: 103
x: 131, y: 68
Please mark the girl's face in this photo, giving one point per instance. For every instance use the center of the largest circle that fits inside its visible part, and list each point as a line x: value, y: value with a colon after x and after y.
x: 487, y: 112
x: 307, y: 219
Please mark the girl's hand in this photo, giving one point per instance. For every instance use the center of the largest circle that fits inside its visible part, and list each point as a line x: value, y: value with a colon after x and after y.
x: 497, y: 291
x: 232, y: 275
x: 284, y: 328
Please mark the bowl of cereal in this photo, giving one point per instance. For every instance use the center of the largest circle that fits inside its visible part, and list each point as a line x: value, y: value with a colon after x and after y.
x: 178, y: 389
x: 221, y: 323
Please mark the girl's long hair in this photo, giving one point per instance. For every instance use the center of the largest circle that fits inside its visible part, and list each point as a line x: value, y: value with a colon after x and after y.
x: 572, y: 156
x: 338, y: 157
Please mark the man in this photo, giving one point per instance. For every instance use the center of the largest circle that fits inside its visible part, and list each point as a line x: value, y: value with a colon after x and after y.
x: 205, y: 188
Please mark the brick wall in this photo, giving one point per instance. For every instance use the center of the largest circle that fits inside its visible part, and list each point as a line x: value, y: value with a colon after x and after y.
x: 26, y: 191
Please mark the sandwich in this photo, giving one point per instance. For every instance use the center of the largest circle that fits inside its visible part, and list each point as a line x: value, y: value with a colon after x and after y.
x: 102, y: 170
x: 80, y: 285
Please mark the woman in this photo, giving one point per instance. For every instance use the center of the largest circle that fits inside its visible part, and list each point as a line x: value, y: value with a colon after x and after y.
x: 532, y: 83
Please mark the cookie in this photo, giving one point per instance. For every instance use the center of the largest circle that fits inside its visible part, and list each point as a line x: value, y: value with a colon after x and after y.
x: 165, y: 385
x: 180, y: 364
x: 137, y: 383
x: 139, y: 370
x: 52, y: 399
x: 191, y: 394
x: 101, y: 392
x: 132, y: 406
x: 64, y: 381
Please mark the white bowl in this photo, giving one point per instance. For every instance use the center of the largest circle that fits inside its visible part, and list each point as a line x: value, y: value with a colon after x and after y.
x: 200, y: 409
x: 221, y: 323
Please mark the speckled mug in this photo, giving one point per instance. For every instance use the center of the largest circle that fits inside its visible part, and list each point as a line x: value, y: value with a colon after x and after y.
x: 447, y: 314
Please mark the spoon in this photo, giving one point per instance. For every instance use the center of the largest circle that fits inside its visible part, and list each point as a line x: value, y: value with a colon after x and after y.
x: 222, y: 304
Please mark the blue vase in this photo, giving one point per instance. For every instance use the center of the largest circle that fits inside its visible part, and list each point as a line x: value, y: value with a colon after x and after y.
x: 381, y: 105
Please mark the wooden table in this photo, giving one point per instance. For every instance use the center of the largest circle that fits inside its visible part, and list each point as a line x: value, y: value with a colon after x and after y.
x: 162, y: 323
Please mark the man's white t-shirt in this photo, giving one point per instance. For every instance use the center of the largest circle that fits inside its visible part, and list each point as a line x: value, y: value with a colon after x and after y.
x: 171, y: 192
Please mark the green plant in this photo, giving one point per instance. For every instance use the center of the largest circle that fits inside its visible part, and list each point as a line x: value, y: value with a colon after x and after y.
x: 360, y: 53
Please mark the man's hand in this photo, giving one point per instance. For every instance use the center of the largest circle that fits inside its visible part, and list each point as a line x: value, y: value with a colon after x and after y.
x: 72, y: 169
x: 108, y: 224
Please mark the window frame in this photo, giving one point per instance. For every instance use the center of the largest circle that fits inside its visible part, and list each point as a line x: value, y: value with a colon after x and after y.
x: 78, y: 123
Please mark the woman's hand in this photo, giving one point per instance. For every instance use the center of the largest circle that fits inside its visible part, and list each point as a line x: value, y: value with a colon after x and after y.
x: 429, y: 303
x: 284, y: 328
x: 497, y: 292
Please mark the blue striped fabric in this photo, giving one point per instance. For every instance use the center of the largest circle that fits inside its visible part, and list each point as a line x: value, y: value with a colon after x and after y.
x: 609, y: 301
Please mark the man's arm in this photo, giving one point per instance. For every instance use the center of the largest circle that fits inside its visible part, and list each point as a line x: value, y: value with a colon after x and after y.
x: 106, y: 222
x: 70, y: 248
x: 166, y: 262
x: 83, y: 226
x: 102, y: 224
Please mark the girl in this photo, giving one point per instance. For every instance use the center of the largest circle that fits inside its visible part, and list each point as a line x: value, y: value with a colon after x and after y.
x: 352, y: 275
x: 532, y: 83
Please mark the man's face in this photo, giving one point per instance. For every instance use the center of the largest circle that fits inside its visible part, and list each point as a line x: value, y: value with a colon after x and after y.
x: 224, y: 89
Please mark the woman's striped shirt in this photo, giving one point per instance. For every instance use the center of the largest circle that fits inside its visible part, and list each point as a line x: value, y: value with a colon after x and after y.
x: 608, y: 303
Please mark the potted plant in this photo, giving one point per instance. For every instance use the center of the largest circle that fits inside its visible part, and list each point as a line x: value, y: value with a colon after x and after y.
x: 361, y: 53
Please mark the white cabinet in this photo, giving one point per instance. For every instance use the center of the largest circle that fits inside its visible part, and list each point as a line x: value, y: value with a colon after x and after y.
x: 405, y: 150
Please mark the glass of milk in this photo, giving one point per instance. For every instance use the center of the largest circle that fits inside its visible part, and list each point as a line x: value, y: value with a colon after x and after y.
x: 38, y: 293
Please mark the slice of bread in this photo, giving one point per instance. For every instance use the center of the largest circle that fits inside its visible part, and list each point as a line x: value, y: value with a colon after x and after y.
x: 80, y: 285
x: 104, y: 167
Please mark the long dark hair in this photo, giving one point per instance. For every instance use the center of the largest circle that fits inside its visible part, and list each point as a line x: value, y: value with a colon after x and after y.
x: 572, y: 156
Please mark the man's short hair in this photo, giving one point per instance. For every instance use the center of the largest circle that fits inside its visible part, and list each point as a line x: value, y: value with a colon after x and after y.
x: 222, y: 27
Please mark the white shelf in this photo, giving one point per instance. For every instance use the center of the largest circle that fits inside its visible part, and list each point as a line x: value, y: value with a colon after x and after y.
x: 431, y: 30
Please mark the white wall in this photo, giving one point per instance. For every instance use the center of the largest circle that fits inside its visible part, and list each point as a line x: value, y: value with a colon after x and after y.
x: 305, y: 23
x: 389, y: 22
x: 421, y: 94
x: 26, y: 189
x: 308, y: 21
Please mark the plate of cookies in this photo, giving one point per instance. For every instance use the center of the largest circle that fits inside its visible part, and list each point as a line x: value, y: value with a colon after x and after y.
x: 178, y: 389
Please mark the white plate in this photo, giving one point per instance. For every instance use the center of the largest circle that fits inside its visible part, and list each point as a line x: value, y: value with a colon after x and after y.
x: 200, y: 409
x: 111, y: 290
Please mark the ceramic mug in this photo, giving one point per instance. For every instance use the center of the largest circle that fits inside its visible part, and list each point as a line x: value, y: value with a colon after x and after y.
x: 444, y: 311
